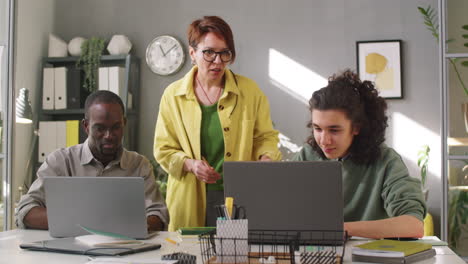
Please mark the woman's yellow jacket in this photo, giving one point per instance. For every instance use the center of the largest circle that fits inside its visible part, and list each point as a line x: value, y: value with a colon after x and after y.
x: 248, y: 131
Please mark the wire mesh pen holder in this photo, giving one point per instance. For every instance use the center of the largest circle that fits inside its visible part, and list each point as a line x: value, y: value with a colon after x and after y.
x: 283, y: 247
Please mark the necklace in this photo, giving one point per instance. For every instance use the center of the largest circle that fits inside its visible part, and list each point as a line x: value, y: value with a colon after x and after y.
x: 206, y: 95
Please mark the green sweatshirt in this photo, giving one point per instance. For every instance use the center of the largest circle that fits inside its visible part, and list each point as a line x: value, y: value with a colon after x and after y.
x: 377, y: 191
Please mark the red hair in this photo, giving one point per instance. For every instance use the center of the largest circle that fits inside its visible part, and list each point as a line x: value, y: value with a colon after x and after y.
x: 200, y: 27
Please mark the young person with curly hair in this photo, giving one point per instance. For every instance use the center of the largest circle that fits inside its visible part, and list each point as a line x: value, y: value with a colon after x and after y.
x: 348, y: 121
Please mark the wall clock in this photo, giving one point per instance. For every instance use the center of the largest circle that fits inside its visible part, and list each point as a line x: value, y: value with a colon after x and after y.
x: 165, y: 55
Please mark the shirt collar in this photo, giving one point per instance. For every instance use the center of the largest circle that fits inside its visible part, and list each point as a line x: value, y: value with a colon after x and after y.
x: 87, y: 157
x: 345, y: 157
x: 186, y: 87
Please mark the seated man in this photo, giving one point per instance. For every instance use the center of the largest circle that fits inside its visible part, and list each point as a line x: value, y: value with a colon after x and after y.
x: 348, y: 121
x: 100, y: 155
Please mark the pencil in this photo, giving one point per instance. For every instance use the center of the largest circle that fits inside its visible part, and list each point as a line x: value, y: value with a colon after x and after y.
x: 171, y: 241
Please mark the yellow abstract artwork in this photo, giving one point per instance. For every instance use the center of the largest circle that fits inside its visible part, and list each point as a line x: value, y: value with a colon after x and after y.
x: 380, y: 62
x: 375, y: 63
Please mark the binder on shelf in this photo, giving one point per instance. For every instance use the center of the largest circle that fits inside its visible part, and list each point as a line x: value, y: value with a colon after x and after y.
x: 129, y: 100
x: 74, y: 90
x: 47, y: 139
x: 61, y: 130
x: 117, y: 80
x: 103, y: 78
x: 60, y: 85
x: 48, y: 88
x: 73, y: 132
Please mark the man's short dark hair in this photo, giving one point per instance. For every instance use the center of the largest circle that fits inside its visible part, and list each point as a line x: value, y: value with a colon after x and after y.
x: 103, y: 96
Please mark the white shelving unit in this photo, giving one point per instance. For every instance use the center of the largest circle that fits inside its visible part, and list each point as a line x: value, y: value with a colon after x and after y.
x: 454, y: 131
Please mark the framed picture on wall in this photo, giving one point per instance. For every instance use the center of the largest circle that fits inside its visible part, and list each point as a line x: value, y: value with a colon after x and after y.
x: 379, y: 61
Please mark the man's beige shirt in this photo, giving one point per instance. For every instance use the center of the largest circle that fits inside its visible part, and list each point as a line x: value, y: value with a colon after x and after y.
x: 79, y: 161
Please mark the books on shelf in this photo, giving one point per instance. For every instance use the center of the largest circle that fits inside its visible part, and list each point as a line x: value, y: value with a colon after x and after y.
x: 392, y: 251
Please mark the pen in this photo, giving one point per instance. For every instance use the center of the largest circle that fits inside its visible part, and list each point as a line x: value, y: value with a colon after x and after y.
x: 229, y: 203
x: 228, y: 216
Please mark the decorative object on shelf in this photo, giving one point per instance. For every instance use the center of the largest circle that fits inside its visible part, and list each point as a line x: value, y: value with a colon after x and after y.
x: 24, y: 115
x: 23, y: 107
x: 165, y: 55
x: 91, y: 51
x: 379, y: 61
x: 57, y: 46
x: 74, y: 46
x: 119, y: 45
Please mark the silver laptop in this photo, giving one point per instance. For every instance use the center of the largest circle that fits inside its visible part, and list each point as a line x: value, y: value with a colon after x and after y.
x: 305, y: 195
x: 108, y: 204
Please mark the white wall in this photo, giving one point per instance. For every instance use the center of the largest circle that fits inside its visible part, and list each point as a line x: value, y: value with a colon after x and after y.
x: 34, y: 22
x: 317, y: 37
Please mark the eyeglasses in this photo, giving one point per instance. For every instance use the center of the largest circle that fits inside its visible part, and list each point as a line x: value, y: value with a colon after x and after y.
x: 210, y: 55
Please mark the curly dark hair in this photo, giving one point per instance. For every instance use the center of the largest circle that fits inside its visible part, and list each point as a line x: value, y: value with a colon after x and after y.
x: 362, y: 105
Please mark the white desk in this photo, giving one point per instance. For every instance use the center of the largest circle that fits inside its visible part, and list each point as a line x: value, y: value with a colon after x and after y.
x: 11, y: 253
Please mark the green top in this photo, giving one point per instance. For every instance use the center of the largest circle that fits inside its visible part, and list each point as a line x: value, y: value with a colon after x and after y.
x: 212, y: 142
x: 380, y: 190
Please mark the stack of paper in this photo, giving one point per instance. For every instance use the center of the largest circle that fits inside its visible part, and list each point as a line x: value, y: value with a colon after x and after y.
x: 101, y: 240
x: 392, y: 251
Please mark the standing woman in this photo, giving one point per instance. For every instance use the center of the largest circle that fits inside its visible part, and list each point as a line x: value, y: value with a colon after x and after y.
x: 209, y: 116
x: 348, y: 121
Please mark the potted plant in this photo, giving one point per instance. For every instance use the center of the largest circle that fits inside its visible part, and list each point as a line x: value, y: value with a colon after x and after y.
x: 423, y: 162
x: 430, y: 20
x: 161, y: 177
x: 89, y: 61
x: 457, y: 216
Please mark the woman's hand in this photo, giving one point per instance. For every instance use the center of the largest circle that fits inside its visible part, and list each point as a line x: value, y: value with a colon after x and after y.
x: 202, y: 170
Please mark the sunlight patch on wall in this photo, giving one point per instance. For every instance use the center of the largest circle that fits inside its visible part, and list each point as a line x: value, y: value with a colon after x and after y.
x: 293, y: 77
x: 408, y: 138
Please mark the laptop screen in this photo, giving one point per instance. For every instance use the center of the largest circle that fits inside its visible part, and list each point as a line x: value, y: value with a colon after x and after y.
x: 305, y: 195
x: 108, y: 204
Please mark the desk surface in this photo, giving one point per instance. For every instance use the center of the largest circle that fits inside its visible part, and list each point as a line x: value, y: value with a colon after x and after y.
x: 11, y: 253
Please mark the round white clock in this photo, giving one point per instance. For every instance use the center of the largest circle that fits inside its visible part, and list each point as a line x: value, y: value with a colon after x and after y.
x: 165, y: 55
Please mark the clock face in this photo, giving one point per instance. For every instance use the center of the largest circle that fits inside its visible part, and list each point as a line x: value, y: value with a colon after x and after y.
x: 165, y: 55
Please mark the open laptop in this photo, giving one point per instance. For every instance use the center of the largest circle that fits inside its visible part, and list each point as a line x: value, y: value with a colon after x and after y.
x: 304, y: 195
x: 108, y: 204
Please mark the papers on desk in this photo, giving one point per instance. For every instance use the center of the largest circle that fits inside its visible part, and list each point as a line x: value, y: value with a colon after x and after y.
x: 128, y: 261
x: 101, y: 241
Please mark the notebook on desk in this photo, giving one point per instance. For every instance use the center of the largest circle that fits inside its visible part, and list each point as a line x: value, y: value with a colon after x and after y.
x: 107, y: 204
x: 303, y: 195
x: 70, y: 245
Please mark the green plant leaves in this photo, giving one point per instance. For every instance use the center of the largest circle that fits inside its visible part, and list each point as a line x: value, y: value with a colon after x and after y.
x: 423, y: 162
x: 91, y: 51
x: 430, y: 20
x: 458, y: 214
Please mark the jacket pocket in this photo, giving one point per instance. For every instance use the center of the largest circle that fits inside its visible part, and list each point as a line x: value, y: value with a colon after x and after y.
x: 246, y: 139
